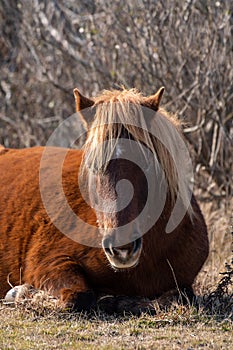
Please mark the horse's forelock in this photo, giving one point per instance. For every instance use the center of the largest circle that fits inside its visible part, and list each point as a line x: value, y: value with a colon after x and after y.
x: 112, y: 116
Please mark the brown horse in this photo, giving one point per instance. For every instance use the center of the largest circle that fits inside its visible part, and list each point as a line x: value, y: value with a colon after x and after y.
x: 108, y: 250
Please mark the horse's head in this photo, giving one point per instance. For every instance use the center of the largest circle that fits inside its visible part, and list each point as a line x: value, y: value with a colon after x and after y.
x: 115, y: 170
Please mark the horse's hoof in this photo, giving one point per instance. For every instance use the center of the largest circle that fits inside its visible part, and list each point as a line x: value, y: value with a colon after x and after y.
x: 78, y: 301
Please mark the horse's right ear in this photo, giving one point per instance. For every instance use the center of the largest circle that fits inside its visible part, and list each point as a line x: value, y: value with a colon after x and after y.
x: 81, y: 101
x: 83, y: 104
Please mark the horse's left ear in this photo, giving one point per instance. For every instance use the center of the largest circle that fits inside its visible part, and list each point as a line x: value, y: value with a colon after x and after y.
x: 81, y: 101
x: 154, y: 100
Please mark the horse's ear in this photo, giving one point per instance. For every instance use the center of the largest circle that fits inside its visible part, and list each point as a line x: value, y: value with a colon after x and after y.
x: 82, y: 107
x: 154, y: 100
x: 81, y: 101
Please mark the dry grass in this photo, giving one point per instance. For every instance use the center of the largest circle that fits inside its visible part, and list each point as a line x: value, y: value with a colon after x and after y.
x: 37, y: 323
x: 178, y: 328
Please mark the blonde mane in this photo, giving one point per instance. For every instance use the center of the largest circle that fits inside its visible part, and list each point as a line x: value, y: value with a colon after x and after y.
x: 120, y: 109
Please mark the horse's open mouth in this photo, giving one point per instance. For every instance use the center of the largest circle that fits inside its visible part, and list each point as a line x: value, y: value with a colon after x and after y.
x: 124, y: 257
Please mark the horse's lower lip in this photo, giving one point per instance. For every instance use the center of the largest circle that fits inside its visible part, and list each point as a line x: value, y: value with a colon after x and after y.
x: 124, y: 267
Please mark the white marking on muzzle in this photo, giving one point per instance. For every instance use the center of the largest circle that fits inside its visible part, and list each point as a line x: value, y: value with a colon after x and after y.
x: 122, y: 253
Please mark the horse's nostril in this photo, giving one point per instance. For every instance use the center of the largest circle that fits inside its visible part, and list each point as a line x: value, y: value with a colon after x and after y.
x: 109, y: 251
x: 106, y: 242
x: 107, y: 245
x: 137, y: 244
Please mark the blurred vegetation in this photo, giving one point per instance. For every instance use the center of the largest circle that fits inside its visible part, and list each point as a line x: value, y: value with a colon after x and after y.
x: 49, y: 47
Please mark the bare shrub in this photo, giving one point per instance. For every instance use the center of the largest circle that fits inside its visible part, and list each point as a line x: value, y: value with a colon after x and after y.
x: 47, y: 48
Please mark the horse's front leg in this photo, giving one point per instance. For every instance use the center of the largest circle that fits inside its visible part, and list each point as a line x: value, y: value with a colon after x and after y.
x: 77, y: 300
x: 62, y: 278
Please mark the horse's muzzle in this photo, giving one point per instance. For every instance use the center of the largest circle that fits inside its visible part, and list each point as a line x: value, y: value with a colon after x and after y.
x: 125, y: 256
